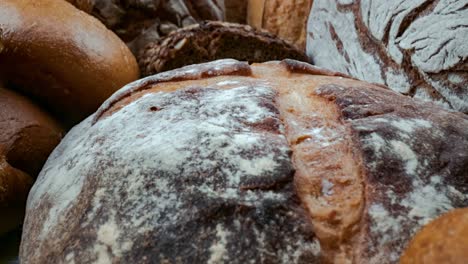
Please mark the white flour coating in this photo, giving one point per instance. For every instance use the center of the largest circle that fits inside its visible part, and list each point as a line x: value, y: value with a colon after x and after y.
x: 435, y: 42
x: 158, y: 154
x: 218, y: 249
x: 364, y: 66
x: 428, y: 196
x: 191, y: 70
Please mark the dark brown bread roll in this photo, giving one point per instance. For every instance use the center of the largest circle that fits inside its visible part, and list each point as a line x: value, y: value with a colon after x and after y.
x: 284, y: 18
x: 139, y: 22
x: 278, y: 162
x: 61, y: 56
x: 444, y: 240
x: 415, y: 47
x: 27, y: 136
x: 214, y: 40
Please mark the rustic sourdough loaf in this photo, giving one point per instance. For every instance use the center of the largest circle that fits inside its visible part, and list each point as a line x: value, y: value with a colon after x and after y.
x: 278, y: 162
x: 212, y: 40
x: 62, y: 57
x: 416, y: 47
x: 444, y: 240
x: 27, y: 136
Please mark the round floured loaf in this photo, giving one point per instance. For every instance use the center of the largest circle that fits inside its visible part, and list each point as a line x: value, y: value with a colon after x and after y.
x: 279, y: 162
x: 415, y: 47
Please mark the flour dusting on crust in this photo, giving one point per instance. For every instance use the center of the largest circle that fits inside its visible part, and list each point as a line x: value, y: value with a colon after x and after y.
x: 416, y: 161
x: 196, y: 175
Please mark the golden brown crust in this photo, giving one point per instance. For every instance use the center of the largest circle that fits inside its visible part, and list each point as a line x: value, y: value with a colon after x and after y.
x: 287, y: 19
x: 444, y: 240
x: 61, y: 56
x: 27, y: 136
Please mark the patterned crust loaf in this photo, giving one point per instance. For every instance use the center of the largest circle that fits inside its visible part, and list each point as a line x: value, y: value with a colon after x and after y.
x: 278, y: 162
x: 212, y: 40
x: 415, y: 47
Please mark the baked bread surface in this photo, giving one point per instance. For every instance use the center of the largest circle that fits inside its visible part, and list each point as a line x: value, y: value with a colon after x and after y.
x: 280, y: 162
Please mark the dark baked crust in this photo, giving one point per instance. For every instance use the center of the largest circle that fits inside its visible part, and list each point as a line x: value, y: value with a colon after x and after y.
x: 27, y: 136
x: 212, y: 40
x: 139, y: 22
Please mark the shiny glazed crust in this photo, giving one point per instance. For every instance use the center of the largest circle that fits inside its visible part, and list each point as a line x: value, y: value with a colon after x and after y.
x: 27, y: 136
x: 61, y: 56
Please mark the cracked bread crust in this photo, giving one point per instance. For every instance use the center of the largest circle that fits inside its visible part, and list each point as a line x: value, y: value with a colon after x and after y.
x: 232, y: 148
x: 214, y: 40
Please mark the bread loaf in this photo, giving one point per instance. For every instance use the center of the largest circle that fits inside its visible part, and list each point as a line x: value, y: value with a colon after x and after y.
x: 61, y: 56
x: 214, y: 40
x: 27, y: 136
x: 415, y: 47
x: 285, y: 18
x: 444, y: 240
x: 139, y: 22
x: 279, y: 162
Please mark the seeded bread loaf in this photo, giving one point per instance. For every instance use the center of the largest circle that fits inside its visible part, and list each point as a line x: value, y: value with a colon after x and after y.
x: 27, y: 136
x: 415, y: 47
x: 280, y: 162
x: 214, y: 40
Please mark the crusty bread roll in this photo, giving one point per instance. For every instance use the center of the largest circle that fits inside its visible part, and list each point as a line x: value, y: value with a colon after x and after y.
x: 27, y: 136
x: 444, y: 240
x: 213, y: 40
x: 285, y: 18
x: 415, y: 47
x: 278, y: 162
x: 61, y: 56
x: 139, y: 22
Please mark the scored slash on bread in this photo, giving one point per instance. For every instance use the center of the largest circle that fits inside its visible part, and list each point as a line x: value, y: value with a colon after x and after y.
x: 214, y: 40
x: 229, y: 162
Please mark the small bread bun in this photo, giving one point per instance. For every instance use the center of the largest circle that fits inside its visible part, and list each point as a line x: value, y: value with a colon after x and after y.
x: 27, y: 136
x: 61, y: 56
x: 444, y: 240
